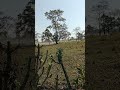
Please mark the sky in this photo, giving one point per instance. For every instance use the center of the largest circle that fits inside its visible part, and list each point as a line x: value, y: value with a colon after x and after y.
x: 74, y: 13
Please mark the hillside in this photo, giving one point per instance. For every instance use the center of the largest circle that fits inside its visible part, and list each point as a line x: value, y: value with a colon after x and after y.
x: 73, y: 57
x: 102, y: 62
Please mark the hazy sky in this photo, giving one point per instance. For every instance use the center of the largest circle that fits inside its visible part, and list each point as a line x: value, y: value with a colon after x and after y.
x: 74, y: 12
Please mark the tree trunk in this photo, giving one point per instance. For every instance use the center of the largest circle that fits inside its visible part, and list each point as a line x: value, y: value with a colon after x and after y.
x: 56, y: 41
x: 104, y: 31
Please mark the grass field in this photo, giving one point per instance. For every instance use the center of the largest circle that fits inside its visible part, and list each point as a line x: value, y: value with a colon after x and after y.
x: 101, y: 58
x: 73, y: 57
x: 102, y: 62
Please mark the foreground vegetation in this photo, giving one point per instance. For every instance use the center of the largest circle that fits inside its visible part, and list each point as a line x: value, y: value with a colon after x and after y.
x: 73, y: 55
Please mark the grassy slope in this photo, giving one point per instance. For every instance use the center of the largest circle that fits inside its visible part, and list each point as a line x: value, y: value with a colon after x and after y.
x: 73, y: 56
x: 103, y: 62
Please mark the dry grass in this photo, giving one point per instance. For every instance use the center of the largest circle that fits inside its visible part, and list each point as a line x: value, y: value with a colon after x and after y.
x: 73, y: 57
x: 103, y: 62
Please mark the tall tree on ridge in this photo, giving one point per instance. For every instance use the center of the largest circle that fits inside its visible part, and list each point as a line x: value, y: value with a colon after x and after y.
x: 55, y: 16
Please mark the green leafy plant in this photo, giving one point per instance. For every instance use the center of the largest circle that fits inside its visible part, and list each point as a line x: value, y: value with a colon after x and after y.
x: 59, y: 57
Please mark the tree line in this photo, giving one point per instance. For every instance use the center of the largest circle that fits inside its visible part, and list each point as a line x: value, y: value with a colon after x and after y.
x: 59, y: 28
x: 107, y: 20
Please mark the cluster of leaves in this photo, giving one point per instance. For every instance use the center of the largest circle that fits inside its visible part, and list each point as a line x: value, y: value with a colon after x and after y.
x: 57, y: 24
x: 46, y: 35
x: 26, y: 22
x: 62, y: 34
x: 79, y: 35
x: 108, y: 24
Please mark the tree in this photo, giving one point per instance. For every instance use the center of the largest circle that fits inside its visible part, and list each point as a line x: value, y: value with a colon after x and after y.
x: 107, y: 23
x: 37, y: 36
x: 26, y: 22
x: 79, y: 36
x: 77, y: 30
x: 57, y: 21
x: 68, y: 35
x: 63, y: 33
x: 47, y: 35
x: 72, y: 38
x: 100, y: 9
